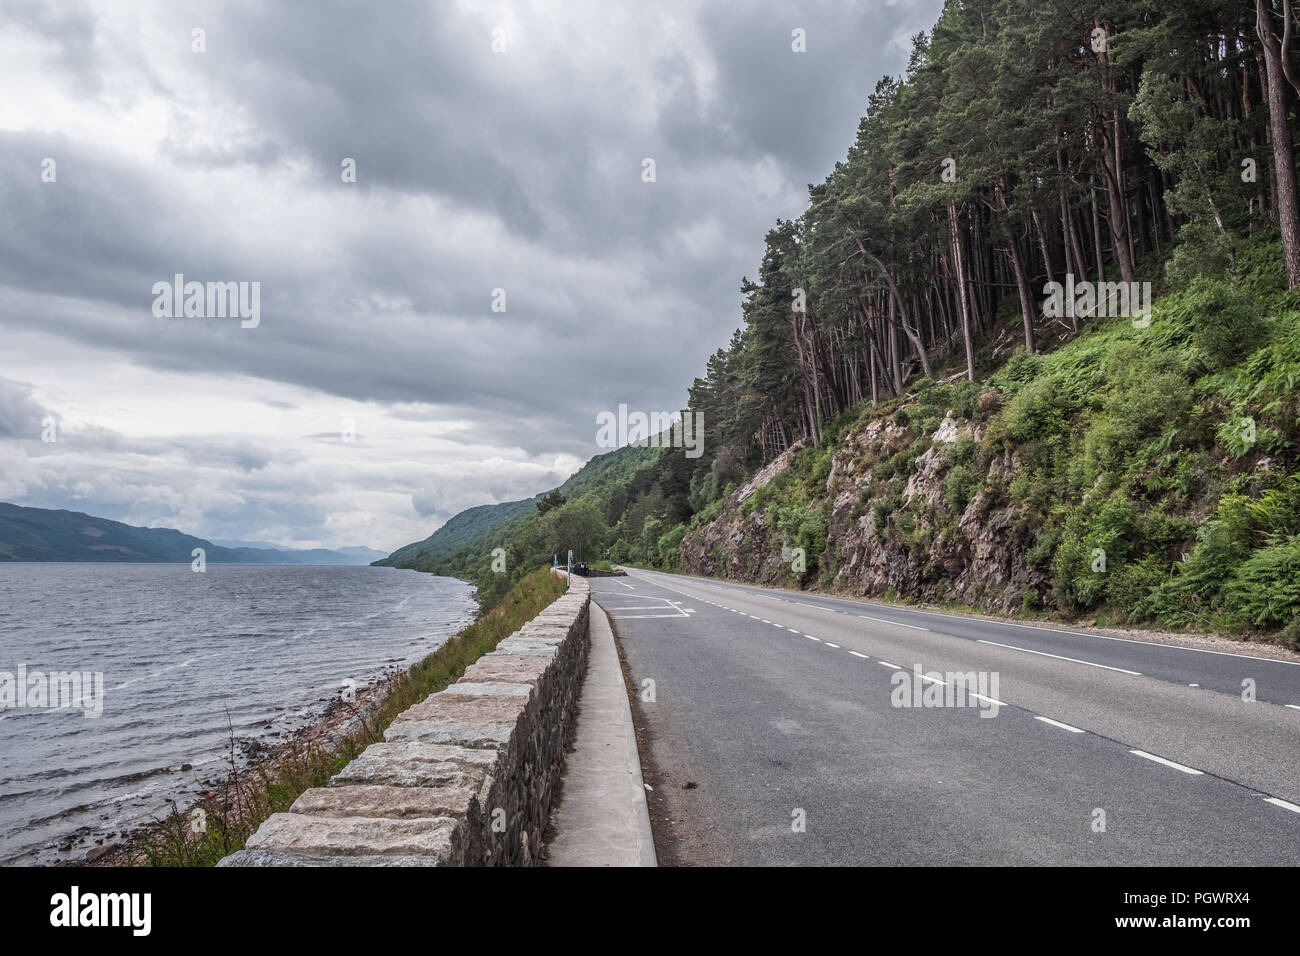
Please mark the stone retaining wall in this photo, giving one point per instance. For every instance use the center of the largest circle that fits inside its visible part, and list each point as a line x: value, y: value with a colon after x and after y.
x: 466, y: 777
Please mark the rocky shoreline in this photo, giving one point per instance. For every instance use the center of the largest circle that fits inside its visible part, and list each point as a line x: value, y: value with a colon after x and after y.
x: 340, y: 719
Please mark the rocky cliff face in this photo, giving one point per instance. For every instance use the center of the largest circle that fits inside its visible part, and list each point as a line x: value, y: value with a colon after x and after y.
x: 904, y: 517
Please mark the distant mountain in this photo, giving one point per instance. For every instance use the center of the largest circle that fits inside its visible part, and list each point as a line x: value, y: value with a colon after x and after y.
x: 464, y: 527
x: 352, y: 555
x: 363, y: 555
x: 469, y: 531
x: 255, y: 545
x: 40, y: 534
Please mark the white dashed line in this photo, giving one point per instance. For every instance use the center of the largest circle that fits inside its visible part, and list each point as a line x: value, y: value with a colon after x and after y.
x: 1292, y: 706
x: 1057, y: 723
x: 829, y: 644
x: 793, y: 630
x: 915, y: 627
x: 887, y: 664
x: 863, y: 656
x: 1167, y: 763
x: 1072, y: 660
x: 811, y: 638
x: 1283, y: 804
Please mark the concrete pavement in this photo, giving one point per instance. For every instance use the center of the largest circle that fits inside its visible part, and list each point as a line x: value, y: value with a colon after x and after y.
x: 601, y: 818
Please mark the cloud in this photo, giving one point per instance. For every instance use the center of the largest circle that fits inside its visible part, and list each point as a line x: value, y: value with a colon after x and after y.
x: 21, y: 416
x: 476, y: 171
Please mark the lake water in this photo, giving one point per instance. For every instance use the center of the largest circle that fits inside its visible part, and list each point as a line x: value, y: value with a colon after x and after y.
x: 181, y: 654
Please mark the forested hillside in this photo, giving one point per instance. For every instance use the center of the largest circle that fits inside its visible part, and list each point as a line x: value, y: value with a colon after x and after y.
x: 618, y: 489
x: 953, y: 396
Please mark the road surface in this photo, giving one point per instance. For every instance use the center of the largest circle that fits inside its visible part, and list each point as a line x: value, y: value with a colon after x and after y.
x: 782, y: 729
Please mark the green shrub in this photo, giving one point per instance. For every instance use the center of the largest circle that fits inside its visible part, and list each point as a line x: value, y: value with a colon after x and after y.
x: 1265, y: 591
x: 963, y: 450
x: 1039, y: 410
x: 1129, y: 585
x: 667, y: 546
x: 1225, y: 326
x: 958, y: 486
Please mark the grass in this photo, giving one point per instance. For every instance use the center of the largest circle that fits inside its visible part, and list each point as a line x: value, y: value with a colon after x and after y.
x: 221, y: 823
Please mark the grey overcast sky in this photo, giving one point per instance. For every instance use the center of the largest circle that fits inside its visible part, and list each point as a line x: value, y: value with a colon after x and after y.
x: 477, y: 169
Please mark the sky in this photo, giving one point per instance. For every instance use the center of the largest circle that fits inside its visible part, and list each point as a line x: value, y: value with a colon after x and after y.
x: 461, y: 254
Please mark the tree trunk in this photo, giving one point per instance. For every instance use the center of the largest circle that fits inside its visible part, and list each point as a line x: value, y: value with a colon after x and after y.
x: 1027, y: 312
x: 960, y: 268
x: 1284, y: 175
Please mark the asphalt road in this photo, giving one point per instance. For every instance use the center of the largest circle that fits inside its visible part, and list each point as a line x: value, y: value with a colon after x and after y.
x: 787, y: 729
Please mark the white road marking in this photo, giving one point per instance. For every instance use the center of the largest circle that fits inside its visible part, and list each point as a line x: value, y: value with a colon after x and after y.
x: 829, y: 644
x: 1283, y: 804
x: 636, y: 617
x: 811, y: 638
x: 863, y: 656
x: 793, y: 630
x: 1292, y: 706
x: 1193, y: 685
x: 1057, y: 723
x: 887, y: 664
x: 932, y: 680
x: 1100, y: 637
x: 988, y: 700
x: 1167, y: 763
x: 1073, y: 660
x: 915, y: 627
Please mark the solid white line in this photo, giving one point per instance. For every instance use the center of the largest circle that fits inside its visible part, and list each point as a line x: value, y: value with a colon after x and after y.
x: 1283, y: 804
x: 915, y: 627
x: 1100, y: 637
x: 1073, y: 660
x: 829, y: 644
x: 863, y: 656
x: 887, y: 664
x: 1057, y: 723
x: 1167, y: 763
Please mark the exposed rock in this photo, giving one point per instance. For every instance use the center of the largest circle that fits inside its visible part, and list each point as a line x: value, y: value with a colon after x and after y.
x: 941, y: 555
